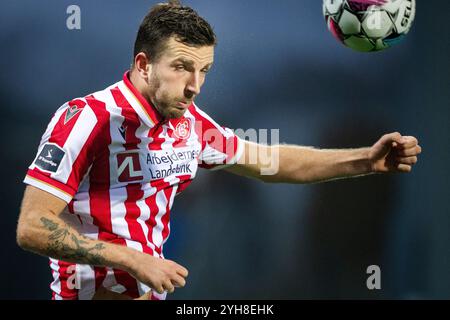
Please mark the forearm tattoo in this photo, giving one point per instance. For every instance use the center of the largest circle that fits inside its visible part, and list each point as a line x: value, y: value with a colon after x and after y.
x: 64, y: 244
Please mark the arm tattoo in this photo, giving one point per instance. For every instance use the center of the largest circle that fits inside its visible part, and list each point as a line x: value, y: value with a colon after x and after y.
x: 64, y: 244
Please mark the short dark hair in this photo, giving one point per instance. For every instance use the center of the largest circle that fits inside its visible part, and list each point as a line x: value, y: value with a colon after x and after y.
x: 165, y: 20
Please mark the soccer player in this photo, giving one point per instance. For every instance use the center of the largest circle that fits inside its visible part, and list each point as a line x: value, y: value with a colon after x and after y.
x: 110, y: 164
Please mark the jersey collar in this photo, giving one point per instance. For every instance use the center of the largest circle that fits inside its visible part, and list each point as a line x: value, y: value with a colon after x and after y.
x: 143, y: 108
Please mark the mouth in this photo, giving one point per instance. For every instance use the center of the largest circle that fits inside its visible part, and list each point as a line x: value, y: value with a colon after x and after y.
x: 183, y: 105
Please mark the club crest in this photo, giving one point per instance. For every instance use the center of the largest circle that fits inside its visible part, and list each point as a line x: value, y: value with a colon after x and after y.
x: 183, y: 129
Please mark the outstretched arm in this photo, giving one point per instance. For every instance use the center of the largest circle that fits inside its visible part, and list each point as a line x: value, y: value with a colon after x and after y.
x: 295, y: 164
x: 43, y: 231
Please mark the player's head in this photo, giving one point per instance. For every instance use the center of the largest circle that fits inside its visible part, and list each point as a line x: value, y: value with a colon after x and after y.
x: 174, y: 49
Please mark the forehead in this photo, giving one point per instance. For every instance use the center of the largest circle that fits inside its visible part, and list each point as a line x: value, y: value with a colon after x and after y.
x: 175, y: 49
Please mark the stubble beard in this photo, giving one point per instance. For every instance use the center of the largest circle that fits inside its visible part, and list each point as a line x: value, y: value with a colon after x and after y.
x: 165, y: 105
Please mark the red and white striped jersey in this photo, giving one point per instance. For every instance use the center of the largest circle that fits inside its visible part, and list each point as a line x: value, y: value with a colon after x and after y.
x: 119, y: 165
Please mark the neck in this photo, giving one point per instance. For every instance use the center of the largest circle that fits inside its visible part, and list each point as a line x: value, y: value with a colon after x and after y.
x: 141, y: 86
x: 138, y: 83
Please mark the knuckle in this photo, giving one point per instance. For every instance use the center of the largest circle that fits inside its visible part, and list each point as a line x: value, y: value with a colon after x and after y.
x: 169, y: 287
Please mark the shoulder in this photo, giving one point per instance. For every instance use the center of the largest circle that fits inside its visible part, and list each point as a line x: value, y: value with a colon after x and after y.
x: 207, y: 123
x: 101, y: 102
x: 83, y: 116
x: 201, y: 116
x: 95, y: 106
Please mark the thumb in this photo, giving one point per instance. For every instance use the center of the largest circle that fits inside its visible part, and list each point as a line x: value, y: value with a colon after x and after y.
x: 391, y: 139
x: 383, y: 146
x: 145, y: 296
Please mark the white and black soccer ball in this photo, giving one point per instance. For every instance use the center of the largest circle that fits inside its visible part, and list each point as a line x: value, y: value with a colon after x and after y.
x: 369, y: 25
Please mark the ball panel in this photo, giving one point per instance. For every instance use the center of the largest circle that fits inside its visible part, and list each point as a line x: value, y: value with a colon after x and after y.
x: 349, y: 23
x: 405, y: 16
x: 335, y: 30
x: 363, y: 5
x: 332, y: 6
x: 392, y: 6
x: 381, y: 45
x: 377, y: 24
x: 359, y: 43
x: 392, y: 41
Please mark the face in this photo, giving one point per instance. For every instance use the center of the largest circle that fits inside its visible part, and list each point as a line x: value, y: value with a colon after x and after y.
x: 177, y: 76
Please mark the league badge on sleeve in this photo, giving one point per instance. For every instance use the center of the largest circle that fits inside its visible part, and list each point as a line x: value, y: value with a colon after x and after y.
x: 49, y: 158
x: 71, y: 112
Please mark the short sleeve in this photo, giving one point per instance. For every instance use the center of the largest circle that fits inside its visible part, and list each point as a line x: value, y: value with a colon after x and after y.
x: 66, y: 150
x: 221, y: 147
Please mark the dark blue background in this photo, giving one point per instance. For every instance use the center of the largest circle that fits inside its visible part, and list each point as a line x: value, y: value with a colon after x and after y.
x: 276, y: 66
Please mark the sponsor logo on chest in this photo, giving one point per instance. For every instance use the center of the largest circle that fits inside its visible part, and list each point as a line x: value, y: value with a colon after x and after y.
x: 129, y: 167
x: 178, y: 161
x: 140, y: 165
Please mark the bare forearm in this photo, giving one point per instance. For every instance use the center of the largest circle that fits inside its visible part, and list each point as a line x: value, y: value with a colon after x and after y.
x: 49, y: 235
x: 308, y: 165
x: 41, y: 229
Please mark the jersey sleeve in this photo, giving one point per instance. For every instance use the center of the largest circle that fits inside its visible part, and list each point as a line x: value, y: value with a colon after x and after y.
x: 66, y: 150
x: 221, y: 147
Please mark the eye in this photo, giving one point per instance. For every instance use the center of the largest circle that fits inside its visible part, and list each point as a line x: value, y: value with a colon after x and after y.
x: 205, y: 71
x: 180, y: 67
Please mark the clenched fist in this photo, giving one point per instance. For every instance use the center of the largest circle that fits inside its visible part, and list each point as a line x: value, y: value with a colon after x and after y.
x: 394, y: 153
x: 159, y: 274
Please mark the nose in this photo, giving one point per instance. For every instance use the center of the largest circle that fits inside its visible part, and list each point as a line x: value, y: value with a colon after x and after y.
x: 193, y: 86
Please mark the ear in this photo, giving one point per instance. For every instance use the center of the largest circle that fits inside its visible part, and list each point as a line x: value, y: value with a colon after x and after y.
x: 142, y: 65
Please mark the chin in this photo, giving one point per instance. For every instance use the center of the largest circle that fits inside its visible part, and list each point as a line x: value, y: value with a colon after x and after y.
x: 175, y: 114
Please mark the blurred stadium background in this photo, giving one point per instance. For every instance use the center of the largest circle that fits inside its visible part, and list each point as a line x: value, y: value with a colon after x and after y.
x: 276, y: 66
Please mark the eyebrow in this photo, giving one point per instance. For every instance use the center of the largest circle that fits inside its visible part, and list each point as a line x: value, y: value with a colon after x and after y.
x: 185, y: 61
x: 189, y: 63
